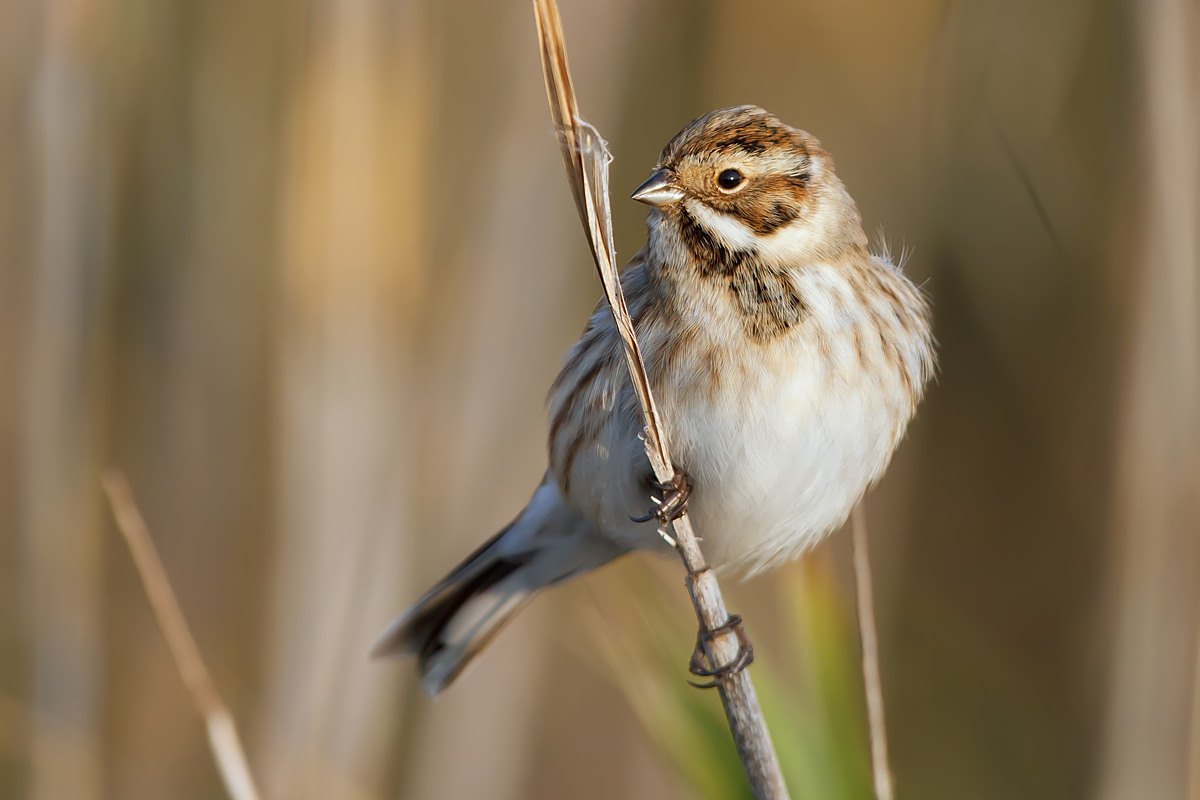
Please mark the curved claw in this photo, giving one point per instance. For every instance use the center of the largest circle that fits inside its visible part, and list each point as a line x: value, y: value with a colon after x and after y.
x: 673, y: 504
x: 720, y: 675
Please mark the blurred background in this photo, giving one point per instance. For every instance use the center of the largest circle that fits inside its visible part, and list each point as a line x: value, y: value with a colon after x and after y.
x: 305, y: 269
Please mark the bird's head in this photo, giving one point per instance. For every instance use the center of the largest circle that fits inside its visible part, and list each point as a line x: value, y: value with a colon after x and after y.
x: 738, y: 180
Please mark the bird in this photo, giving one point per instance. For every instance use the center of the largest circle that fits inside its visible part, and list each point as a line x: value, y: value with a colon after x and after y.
x: 787, y: 360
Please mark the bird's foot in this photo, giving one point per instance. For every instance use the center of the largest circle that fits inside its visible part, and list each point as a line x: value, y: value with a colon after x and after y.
x: 674, y: 501
x: 720, y: 675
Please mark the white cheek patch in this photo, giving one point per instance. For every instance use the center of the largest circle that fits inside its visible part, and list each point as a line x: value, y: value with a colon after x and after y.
x: 795, y: 242
x: 732, y: 233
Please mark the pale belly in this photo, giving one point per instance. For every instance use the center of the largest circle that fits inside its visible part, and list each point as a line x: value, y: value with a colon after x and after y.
x: 779, y: 463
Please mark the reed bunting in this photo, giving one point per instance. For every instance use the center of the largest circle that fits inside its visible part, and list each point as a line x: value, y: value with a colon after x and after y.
x: 786, y: 359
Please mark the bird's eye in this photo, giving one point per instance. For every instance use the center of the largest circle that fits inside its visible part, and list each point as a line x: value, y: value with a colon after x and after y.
x: 730, y: 179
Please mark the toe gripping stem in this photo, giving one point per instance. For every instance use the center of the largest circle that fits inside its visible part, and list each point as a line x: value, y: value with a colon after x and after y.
x: 675, y: 495
x: 720, y: 675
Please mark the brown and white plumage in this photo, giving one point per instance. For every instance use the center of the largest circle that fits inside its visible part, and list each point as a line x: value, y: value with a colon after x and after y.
x: 786, y: 358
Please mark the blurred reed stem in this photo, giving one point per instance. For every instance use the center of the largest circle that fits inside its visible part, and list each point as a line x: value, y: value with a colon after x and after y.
x: 1156, y: 553
x: 353, y: 250
x: 868, y: 638
x: 222, y: 731
x: 63, y: 409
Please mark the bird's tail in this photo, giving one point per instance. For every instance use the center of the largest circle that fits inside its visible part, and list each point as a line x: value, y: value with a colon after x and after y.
x: 446, y: 628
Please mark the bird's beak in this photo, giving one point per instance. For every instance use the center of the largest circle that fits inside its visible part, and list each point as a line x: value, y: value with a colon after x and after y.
x: 660, y: 190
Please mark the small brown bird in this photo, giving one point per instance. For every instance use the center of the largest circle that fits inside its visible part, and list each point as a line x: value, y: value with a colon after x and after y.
x: 786, y: 359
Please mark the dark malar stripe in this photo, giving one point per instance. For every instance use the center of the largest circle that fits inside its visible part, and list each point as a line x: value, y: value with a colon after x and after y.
x: 766, y: 297
x: 712, y: 257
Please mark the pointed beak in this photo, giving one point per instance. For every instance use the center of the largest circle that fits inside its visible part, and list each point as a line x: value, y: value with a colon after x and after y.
x: 660, y: 190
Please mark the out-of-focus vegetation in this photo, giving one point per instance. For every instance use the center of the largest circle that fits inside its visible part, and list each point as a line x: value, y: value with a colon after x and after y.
x: 809, y: 685
x: 304, y: 270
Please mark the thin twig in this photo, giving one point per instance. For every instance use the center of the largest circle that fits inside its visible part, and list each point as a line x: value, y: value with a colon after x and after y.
x: 1023, y: 175
x: 222, y: 732
x: 1194, y: 732
x: 864, y: 596
x: 586, y: 158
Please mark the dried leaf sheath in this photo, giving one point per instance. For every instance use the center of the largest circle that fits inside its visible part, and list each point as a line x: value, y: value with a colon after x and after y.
x: 596, y: 190
x: 586, y: 158
x: 561, y: 95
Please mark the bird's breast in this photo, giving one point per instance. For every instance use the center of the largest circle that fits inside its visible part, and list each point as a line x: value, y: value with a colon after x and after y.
x: 782, y: 435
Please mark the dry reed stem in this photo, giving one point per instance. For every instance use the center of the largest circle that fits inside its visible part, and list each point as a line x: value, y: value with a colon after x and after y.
x: 864, y: 597
x: 222, y: 732
x: 586, y: 158
x: 1194, y: 732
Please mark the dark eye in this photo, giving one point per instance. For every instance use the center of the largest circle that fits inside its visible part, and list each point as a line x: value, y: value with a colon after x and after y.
x: 730, y: 179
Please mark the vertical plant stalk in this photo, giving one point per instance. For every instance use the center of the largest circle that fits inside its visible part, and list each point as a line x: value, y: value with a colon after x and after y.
x: 349, y: 287
x: 1194, y: 732
x: 1155, y: 555
x: 586, y: 158
x: 64, y: 349
x: 864, y: 596
x: 222, y: 732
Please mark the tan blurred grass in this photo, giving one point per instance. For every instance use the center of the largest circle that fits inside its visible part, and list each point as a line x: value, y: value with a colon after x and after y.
x: 1155, y: 565
x: 255, y: 253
